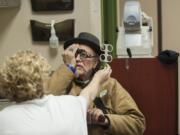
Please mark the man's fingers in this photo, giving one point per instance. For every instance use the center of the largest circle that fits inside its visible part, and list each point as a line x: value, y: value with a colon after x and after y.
x: 73, y: 48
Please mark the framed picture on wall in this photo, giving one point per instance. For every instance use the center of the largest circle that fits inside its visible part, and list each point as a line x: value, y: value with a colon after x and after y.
x: 52, y: 5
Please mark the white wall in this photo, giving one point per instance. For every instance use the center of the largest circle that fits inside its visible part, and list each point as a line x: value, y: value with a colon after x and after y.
x: 15, y: 31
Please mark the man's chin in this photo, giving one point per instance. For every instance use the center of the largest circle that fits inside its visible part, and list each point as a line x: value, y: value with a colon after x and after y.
x: 79, y: 72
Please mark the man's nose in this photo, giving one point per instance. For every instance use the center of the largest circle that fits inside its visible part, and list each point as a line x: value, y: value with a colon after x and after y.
x: 78, y: 57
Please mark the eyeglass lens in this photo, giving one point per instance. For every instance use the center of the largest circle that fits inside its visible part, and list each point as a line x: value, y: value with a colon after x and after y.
x: 82, y: 53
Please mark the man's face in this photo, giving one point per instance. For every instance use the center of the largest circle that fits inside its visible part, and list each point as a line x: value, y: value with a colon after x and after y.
x: 86, y: 61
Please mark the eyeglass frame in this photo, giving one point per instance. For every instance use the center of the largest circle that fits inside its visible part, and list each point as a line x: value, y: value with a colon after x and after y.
x: 80, y: 53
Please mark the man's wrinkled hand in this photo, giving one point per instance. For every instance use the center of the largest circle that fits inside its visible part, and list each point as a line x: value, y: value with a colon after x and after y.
x: 69, y: 54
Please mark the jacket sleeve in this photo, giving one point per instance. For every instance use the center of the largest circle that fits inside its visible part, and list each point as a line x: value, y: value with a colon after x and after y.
x: 59, y: 80
x: 127, y: 119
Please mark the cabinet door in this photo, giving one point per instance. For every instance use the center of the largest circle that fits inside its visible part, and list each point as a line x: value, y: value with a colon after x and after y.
x: 154, y: 87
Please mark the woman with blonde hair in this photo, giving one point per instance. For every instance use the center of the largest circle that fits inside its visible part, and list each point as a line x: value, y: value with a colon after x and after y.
x: 22, y: 80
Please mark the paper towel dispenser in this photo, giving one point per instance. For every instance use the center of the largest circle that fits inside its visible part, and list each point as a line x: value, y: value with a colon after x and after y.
x: 9, y: 3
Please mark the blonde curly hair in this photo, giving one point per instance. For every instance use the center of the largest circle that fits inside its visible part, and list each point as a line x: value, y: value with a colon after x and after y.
x: 21, y: 76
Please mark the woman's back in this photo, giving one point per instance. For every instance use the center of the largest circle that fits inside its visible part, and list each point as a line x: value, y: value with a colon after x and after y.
x: 51, y: 115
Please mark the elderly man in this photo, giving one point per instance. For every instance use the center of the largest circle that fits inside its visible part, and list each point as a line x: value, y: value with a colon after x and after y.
x: 81, y: 62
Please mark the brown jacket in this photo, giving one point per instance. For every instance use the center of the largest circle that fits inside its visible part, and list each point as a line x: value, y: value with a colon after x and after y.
x: 123, y: 113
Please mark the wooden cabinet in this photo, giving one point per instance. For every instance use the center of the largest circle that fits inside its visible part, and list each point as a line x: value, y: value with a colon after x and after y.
x: 154, y: 87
